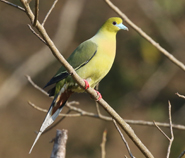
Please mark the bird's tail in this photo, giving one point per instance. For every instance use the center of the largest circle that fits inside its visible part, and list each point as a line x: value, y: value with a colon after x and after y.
x: 54, y: 110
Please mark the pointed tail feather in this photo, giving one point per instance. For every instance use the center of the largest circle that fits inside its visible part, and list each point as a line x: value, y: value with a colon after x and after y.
x: 54, y: 110
x: 38, y: 135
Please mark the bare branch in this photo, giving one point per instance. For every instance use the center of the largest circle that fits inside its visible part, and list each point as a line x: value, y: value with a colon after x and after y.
x: 149, y: 123
x: 59, y: 146
x: 161, y: 131
x: 36, y: 86
x: 85, y: 113
x: 144, y: 35
x: 36, y: 12
x: 182, y: 154
x: 171, y: 131
x: 81, y: 112
x: 45, y: 110
x: 33, y: 65
x: 13, y: 5
x: 106, y: 118
x: 33, y: 31
x: 97, y: 108
x: 179, y: 95
x: 123, y: 138
x: 103, y: 152
x: 49, y: 12
x: 99, y: 115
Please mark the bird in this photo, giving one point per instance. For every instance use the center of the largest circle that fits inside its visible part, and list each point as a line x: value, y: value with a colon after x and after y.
x: 91, y: 60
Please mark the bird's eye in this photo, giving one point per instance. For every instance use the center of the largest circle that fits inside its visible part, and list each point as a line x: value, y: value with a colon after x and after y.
x: 114, y: 23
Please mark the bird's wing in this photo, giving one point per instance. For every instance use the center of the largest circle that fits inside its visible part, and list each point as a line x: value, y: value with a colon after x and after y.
x: 79, y: 58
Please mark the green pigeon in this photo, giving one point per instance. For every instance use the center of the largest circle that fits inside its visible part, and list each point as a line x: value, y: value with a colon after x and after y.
x: 91, y: 60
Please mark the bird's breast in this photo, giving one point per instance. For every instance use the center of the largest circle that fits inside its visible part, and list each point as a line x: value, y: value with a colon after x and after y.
x: 99, y: 65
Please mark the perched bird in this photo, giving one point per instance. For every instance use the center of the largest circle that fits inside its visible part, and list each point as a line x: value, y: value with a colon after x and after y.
x: 92, y: 60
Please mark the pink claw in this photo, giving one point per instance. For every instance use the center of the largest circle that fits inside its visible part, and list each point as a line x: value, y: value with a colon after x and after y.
x: 99, y: 95
x: 86, y: 84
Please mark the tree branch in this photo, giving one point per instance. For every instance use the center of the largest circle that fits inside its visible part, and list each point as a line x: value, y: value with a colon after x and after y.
x: 81, y: 112
x: 36, y: 12
x: 144, y: 35
x: 59, y: 146
x: 180, y: 95
x: 171, y: 131
x: 49, y: 12
x: 103, y: 152
x: 33, y: 66
x: 13, y: 5
x: 99, y: 115
x: 182, y: 154
x: 33, y: 31
x: 123, y: 138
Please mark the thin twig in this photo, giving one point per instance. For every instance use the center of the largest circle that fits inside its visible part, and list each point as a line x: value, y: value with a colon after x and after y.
x: 49, y: 12
x: 33, y: 31
x: 36, y: 86
x: 144, y: 35
x: 161, y: 131
x: 13, y: 5
x: 103, y: 152
x: 179, y: 95
x: 34, y: 64
x: 45, y: 110
x: 97, y: 108
x: 106, y: 118
x: 36, y: 12
x: 171, y: 131
x: 81, y: 112
x: 182, y: 154
x: 123, y: 138
x: 150, y: 123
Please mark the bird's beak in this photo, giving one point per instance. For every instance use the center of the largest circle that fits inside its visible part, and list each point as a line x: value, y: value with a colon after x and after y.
x: 121, y: 26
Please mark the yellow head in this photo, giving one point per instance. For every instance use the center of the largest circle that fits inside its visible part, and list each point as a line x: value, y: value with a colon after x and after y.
x: 113, y: 25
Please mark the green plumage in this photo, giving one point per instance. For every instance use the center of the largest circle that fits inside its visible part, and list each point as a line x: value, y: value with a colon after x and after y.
x: 82, y: 54
x: 92, y: 60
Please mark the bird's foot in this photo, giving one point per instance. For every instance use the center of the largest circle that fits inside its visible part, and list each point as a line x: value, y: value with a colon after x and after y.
x: 99, y: 95
x: 86, y: 84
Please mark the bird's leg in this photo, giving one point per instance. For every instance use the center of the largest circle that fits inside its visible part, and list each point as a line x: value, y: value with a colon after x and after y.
x: 99, y: 95
x: 86, y: 84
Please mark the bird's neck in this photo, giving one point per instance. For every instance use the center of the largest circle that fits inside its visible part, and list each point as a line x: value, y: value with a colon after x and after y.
x: 103, y: 35
x: 106, y: 41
